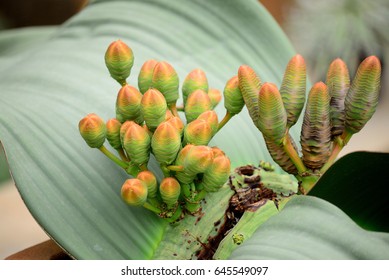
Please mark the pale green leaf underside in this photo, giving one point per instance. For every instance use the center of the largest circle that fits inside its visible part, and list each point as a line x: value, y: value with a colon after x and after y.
x: 311, y: 228
x: 72, y: 190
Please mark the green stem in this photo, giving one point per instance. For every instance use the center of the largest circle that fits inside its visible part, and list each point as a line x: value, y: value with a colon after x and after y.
x: 225, y: 120
x: 151, y: 208
x: 112, y: 157
x: 292, y: 153
x: 175, y: 167
x: 173, y: 109
x: 165, y: 170
x: 308, y: 182
x: 122, y: 154
x: 175, y: 216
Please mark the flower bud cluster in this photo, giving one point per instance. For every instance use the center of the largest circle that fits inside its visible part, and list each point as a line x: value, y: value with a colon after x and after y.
x: 149, y: 124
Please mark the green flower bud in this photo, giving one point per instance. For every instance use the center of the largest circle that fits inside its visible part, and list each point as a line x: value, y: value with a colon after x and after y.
x: 182, y: 176
x: 198, y: 159
x: 233, y: 99
x: 93, y: 130
x: 134, y: 192
x: 168, y: 115
x: 198, y: 132
x: 362, y: 98
x: 165, y: 79
x: 197, y: 103
x: 119, y: 60
x: 279, y: 155
x: 217, y: 152
x: 195, y: 80
x: 338, y: 84
x: 211, y: 118
x: 316, y: 130
x: 150, y: 180
x: 166, y: 142
x: 113, y: 133
x: 218, y: 173
x: 272, y: 115
x: 128, y: 104
x: 249, y: 85
x: 153, y: 108
x: 178, y: 124
x: 145, y: 76
x: 170, y: 190
x: 124, y: 128
x: 293, y: 88
x: 215, y: 96
x: 136, y: 143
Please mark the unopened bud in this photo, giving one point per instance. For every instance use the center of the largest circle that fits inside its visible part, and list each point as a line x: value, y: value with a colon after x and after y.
x: 113, y: 133
x: 134, y: 192
x: 197, y: 103
x: 170, y: 190
x: 153, y: 108
x: 233, y: 99
x: 150, y: 180
x: 119, y: 60
x: 178, y: 124
x: 166, y: 142
x: 195, y: 80
x: 145, y: 76
x: 215, y: 96
x: 93, y: 130
x: 128, y: 104
x: 198, y: 132
x: 218, y: 173
x: 165, y: 79
x: 211, y: 118
x: 136, y: 143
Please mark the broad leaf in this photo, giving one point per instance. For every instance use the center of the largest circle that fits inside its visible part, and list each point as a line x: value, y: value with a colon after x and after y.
x: 72, y: 190
x: 311, y: 228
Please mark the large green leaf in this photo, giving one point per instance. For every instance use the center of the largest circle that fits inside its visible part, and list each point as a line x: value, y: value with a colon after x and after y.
x: 73, y: 191
x: 311, y: 228
x: 357, y: 183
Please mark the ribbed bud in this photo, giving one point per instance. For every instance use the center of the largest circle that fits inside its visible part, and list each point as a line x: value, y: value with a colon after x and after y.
x: 153, y: 106
x: 195, y: 80
x: 293, y: 88
x: 124, y: 128
x: 217, y: 152
x: 279, y: 155
x: 170, y: 190
x: 182, y: 176
x: 128, y: 104
x: 215, y: 176
x: 113, y: 133
x: 165, y: 79
x: 198, y: 132
x: 166, y: 142
x: 211, y: 118
x: 338, y: 84
x: 150, y: 180
x: 249, y: 85
x: 362, y: 98
x: 316, y: 130
x: 215, y: 96
x: 93, y: 130
x: 119, y: 60
x: 198, y: 159
x: 134, y: 192
x: 145, y: 76
x: 182, y: 154
x: 233, y: 99
x: 136, y: 143
x: 197, y: 103
x: 168, y: 115
x: 177, y: 123
x: 272, y: 115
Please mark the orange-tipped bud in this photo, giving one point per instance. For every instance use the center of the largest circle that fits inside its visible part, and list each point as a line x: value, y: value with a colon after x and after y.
x: 119, y: 60
x: 182, y: 176
x: 150, y: 180
x: 166, y: 142
x: 197, y: 103
x: 93, y: 130
x: 215, y: 177
x: 198, y: 132
x: 217, y: 152
x: 177, y: 123
x: 136, y: 143
x: 146, y: 75
x: 215, y: 95
x: 168, y: 115
x: 124, y: 128
x: 198, y: 159
x: 195, y: 80
x: 113, y: 133
x: 233, y: 99
x: 170, y: 190
x: 128, y: 104
x: 165, y: 79
x: 153, y: 108
x: 134, y: 192
x: 211, y: 118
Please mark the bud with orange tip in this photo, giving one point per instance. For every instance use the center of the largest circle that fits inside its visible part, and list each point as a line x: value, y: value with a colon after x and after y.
x: 150, y: 180
x: 217, y: 174
x: 93, y: 129
x: 134, y: 192
x: 195, y: 80
x: 113, y: 133
x: 177, y: 123
x: 233, y: 99
x: 197, y: 132
x: 215, y: 96
x: 153, y: 106
x: 165, y: 143
x: 128, y: 104
x: 136, y: 143
x: 170, y: 190
x: 119, y: 60
x: 211, y: 118
x: 146, y: 75
x: 165, y: 79
x: 197, y: 103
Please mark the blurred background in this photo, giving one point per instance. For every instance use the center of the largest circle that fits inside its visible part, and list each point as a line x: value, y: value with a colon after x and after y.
x: 358, y: 28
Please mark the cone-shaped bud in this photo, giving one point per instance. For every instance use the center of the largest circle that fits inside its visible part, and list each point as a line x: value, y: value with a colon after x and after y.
x: 198, y: 132
x: 182, y: 176
x: 197, y: 103
x: 362, y: 98
x: 165, y: 79
x: 195, y: 80
x: 218, y: 173
x: 153, y: 108
x: 233, y: 99
x: 134, y: 192
x: 280, y: 156
x: 119, y: 60
x: 145, y: 76
x: 150, y: 180
x: 128, y: 104
x: 182, y: 154
x: 215, y: 95
x: 93, y: 130
x: 272, y: 115
x: 249, y: 85
x: 178, y: 124
x: 198, y: 159
x: 168, y: 115
x: 338, y: 84
x: 136, y: 143
x: 113, y: 133
x: 316, y: 130
x: 211, y: 118
x: 217, y: 152
x: 293, y: 88
x: 124, y: 128
x: 170, y: 190
x: 166, y: 143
